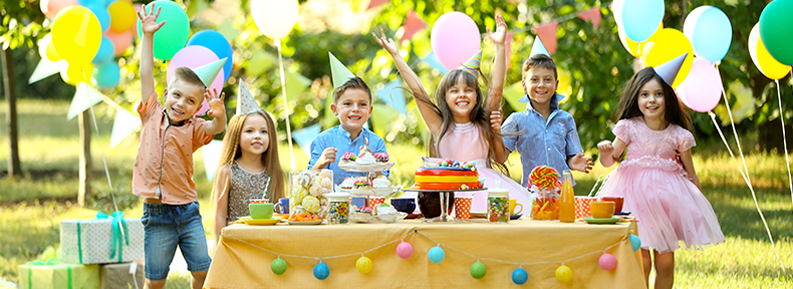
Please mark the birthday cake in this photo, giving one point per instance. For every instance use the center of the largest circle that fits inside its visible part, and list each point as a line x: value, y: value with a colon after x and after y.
x: 448, y: 175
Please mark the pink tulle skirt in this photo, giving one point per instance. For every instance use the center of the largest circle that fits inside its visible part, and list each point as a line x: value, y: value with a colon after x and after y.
x: 516, y: 191
x: 669, y: 207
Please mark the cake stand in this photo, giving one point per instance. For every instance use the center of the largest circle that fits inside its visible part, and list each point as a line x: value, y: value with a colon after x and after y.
x: 443, y: 194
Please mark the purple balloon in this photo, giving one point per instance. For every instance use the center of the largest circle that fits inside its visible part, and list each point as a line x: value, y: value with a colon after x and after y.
x: 454, y: 38
x: 194, y: 56
x: 701, y: 90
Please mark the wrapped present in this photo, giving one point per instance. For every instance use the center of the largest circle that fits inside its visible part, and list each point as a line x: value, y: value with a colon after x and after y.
x: 124, y: 275
x: 106, y: 239
x: 54, y: 274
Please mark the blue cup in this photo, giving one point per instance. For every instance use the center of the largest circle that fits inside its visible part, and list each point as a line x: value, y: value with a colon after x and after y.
x: 405, y: 205
x: 282, y: 207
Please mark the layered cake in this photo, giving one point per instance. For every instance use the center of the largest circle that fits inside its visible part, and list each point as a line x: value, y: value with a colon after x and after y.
x: 448, y: 175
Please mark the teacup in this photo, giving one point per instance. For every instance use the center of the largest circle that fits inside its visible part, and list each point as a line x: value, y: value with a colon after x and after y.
x: 282, y: 207
x: 618, y: 201
x: 602, y: 210
x: 261, y: 211
x: 405, y: 205
x: 513, y: 204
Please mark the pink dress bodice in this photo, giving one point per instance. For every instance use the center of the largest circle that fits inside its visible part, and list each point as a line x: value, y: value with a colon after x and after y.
x: 463, y: 142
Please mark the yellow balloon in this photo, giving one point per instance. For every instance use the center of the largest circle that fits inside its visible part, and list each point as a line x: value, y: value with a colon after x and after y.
x: 74, y: 74
x: 633, y: 47
x: 46, y: 50
x: 122, y: 16
x: 364, y: 265
x: 565, y: 84
x: 665, y: 45
x: 564, y: 274
x: 76, y: 34
x: 762, y: 59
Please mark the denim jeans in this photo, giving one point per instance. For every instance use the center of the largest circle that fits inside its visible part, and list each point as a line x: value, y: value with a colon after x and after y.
x: 168, y: 226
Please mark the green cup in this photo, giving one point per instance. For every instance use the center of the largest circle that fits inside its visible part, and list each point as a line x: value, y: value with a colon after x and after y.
x: 261, y: 211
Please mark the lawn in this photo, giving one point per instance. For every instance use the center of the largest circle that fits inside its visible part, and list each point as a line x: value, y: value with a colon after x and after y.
x: 32, y: 206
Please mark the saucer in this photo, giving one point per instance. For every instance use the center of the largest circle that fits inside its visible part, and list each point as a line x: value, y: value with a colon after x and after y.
x: 612, y: 220
x: 515, y: 217
x: 264, y: 222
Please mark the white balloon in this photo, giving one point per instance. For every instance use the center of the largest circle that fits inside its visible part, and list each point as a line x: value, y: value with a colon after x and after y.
x: 274, y: 18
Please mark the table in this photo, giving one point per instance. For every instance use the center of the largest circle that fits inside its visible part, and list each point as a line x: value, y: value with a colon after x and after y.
x: 242, y: 259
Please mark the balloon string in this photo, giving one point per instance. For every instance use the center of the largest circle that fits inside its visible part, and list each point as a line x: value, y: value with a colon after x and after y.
x: 751, y: 189
x: 784, y: 139
x: 286, y: 104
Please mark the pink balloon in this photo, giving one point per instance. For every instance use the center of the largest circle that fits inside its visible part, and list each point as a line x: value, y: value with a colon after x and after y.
x: 404, y: 250
x: 194, y: 56
x: 701, y: 90
x: 120, y: 40
x: 607, y: 261
x: 454, y: 38
x: 50, y: 8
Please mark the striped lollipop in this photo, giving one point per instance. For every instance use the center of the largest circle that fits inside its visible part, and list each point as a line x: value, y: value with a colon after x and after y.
x: 544, y: 177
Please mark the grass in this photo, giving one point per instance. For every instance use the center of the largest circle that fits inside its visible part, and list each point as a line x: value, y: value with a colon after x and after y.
x: 32, y: 206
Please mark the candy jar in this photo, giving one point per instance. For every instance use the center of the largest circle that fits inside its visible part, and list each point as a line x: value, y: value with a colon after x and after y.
x: 498, y: 204
x: 545, y: 193
x: 339, y: 208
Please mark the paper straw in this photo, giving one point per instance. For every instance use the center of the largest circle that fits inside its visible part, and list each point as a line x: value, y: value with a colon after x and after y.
x: 602, y: 184
x: 266, y: 186
x: 595, y: 186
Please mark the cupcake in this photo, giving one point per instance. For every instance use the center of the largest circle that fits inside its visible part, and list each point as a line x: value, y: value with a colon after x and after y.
x: 381, y: 182
x: 348, y: 183
x: 365, y: 158
x: 362, y: 183
x: 381, y: 157
x: 348, y: 158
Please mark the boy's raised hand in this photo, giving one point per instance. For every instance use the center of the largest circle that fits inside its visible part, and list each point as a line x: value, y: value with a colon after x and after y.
x: 580, y: 163
x: 387, y: 43
x: 148, y: 21
x: 216, y: 107
x: 328, y: 156
x: 500, y: 36
x: 496, y: 117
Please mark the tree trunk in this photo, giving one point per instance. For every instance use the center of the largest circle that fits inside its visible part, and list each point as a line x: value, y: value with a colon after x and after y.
x: 11, y: 117
x: 84, y: 184
x: 769, y: 136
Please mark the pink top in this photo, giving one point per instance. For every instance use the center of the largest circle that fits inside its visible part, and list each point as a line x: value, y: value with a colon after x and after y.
x: 642, y: 141
x: 463, y: 142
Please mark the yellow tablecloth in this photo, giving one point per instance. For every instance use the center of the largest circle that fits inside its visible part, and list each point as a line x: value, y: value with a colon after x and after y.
x: 241, y: 262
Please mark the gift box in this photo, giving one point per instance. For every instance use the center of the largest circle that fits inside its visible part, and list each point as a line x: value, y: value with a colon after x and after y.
x: 124, y: 275
x: 106, y: 239
x: 54, y: 274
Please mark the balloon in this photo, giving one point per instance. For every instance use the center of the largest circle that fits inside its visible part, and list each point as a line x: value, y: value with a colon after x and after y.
x: 218, y: 44
x: 173, y: 35
x: 519, y: 276
x: 364, y: 265
x: 638, y: 18
x: 47, y: 50
x: 709, y: 31
x: 665, y: 45
x: 105, y: 53
x: 607, y: 261
x: 454, y: 39
x: 702, y: 88
x: 278, y: 266
x: 50, y: 8
x: 636, y: 243
x: 101, y: 13
x: 107, y: 75
x: 74, y: 73
x: 76, y: 35
x: 775, y: 28
x: 193, y: 57
x: 436, y: 255
x: 122, y: 16
x: 404, y: 250
x: 633, y: 47
x: 767, y: 65
x: 478, y: 270
x: 321, y: 271
x: 120, y: 41
x: 564, y: 274
x: 274, y: 18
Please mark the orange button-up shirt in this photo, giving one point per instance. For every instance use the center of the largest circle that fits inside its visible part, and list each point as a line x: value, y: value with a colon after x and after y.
x: 164, y: 165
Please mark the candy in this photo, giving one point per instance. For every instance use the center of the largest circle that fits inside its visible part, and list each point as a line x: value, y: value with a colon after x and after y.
x: 311, y: 204
x: 544, y: 177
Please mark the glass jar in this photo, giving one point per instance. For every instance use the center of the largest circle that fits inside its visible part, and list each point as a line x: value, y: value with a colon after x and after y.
x: 498, y: 204
x: 545, y: 205
x: 339, y: 208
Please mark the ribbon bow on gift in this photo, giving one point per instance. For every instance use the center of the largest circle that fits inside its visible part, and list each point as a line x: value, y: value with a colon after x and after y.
x: 49, y: 262
x: 120, y: 232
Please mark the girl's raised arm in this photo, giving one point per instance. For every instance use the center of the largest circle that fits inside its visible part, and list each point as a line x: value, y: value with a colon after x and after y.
x: 493, y: 101
x: 430, y: 112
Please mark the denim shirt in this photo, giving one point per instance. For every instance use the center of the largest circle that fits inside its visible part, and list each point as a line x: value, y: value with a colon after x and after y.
x: 539, y: 141
x: 339, y: 138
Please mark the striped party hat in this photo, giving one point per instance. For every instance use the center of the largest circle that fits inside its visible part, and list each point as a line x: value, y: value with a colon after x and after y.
x: 473, y: 64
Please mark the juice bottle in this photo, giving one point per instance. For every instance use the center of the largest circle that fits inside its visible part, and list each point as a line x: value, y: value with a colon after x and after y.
x: 567, y: 203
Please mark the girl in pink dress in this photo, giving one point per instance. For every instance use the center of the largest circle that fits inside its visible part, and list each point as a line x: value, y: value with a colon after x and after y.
x: 657, y: 177
x: 459, y: 119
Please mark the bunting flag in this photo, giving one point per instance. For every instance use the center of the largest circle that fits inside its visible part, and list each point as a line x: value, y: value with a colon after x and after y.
x: 124, y: 124
x: 508, y: 47
x: 305, y: 136
x: 394, y: 96
x: 375, y: 3
x: 547, y: 33
x: 84, y: 98
x: 211, y: 154
x: 433, y: 61
x: 591, y: 15
x: 413, y: 24
x: 296, y: 84
x: 46, y: 68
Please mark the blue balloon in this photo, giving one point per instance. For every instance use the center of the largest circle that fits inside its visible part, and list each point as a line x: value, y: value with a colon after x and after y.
x: 709, y: 31
x: 321, y: 271
x: 102, y: 14
x: 519, y: 276
x: 218, y: 44
x: 436, y: 255
x: 636, y: 243
x: 638, y: 18
x: 107, y: 75
x: 105, y: 53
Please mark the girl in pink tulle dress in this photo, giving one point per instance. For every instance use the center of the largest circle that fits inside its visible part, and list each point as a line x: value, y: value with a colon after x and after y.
x: 657, y: 177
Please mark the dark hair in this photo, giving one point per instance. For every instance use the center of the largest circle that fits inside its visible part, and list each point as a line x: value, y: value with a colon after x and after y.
x: 355, y: 82
x: 628, y: 106
x: 539, y: 60
x: 188, y: 75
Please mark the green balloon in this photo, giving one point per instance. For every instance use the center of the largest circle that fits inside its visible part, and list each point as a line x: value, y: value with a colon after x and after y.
x: 478, y: 270
x: 278, y: 266
x: 173, y: 35
x: 775, y: 26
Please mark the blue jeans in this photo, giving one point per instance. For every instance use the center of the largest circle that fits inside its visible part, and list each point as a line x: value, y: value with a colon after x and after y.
x: 168, y: 226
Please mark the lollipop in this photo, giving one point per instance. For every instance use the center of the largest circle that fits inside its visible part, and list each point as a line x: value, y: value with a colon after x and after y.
x: 544, y: 177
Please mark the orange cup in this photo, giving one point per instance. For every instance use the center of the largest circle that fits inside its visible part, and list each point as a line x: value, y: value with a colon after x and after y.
x: 582, y: 206
x: 618, y: 201
x: 462, y: 207
x: 602, y: 210
x: 375, y: 202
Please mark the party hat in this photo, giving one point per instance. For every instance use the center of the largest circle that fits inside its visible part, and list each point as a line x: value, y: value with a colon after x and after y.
x: 473, y: 64
x: 339, y: 72
x: 668, y: 70
x: 208, y: 72
x: 538, y: 47
x: 245, y: 102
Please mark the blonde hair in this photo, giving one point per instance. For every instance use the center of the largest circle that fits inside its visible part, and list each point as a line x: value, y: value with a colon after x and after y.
x: 231, y: 151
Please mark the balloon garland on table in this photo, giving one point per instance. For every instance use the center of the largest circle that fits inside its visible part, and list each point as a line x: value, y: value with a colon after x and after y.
x: 436, y: 255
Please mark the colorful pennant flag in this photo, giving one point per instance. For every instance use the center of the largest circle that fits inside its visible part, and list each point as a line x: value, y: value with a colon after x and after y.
x: 375, y: 3
x: 305, y: 136
x: 547, y: 33
x: 591, y: 15
x: 433, y: 61
x: 394, y: 96
x: 84, y: 98
x: 124, y: 124
x: 413, y: 24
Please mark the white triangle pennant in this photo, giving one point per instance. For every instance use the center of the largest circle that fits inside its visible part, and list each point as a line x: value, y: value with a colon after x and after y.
x: 84, y: 98
x: 124, y: 124
x: 46, y: 68
x: 211, y: 154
